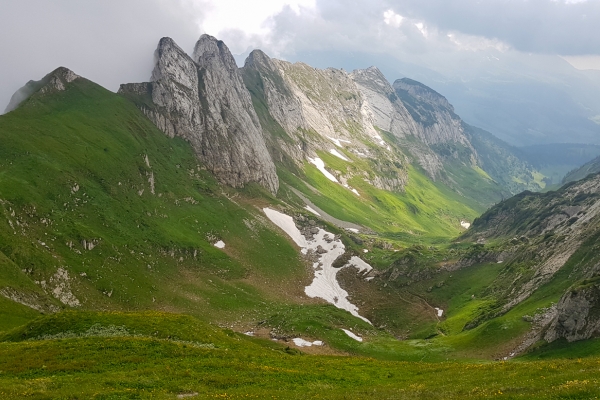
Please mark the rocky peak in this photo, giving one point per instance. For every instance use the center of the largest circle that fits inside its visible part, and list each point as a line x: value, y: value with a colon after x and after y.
x: 258, y: 59
x: 422, y: 92
x: 265, y: 78
x: 55, y: 81
x: 205, y: 101
x: 209, y: 51
x: 171, y: 62
x: 373, y: 78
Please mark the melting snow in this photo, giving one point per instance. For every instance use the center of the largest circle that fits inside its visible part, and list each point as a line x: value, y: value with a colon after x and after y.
x: 249, y: 333
x: 220, y: 244
x: 359, y: 264
x: 338, y: 154
x: 352, y: 230
x: 355, y: 192
x: 365, y: 251
x: 305, y: 343
x: 465, y: 224
x: 312, y: 211
x: 369, y: 278
x: 321, y: 167
x: 338, y: 142
x: 352, y: 335
x: 324, y: 284
x: 440, y: 312
x: 286, y: 223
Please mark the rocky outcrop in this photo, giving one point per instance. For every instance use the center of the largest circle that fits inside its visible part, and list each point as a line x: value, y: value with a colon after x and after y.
x: 285, y: 108
x: 55, y: 81
x: 388, y: 113
x: 578, y: 314
x: 240, y: 120
x: 204, y: 100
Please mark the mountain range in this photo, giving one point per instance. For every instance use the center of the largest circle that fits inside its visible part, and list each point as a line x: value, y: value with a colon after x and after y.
x: 327, y: 211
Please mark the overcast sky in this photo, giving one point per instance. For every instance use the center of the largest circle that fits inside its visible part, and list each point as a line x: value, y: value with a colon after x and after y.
x: 112, y: 41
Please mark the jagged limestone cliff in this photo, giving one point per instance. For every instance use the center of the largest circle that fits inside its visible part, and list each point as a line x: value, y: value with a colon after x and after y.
x: 240, y: 120
x: 204, y: 101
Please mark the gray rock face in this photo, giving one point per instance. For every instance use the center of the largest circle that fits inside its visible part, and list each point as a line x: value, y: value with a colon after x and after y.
x: 205, y: 101
x: 285, y: 108
x: 578, y: 315
x: 322, y: 110
x: 390, y: 114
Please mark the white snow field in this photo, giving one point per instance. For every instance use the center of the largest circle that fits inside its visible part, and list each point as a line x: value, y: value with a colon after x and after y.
x: 324, y: 284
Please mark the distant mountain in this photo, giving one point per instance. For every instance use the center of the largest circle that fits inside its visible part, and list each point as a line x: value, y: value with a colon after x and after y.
x: 524, y: 99
x: 555, y: 160
x: 591, y: 167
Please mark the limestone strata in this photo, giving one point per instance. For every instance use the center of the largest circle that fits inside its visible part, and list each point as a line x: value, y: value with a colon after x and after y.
x: 205, y: 101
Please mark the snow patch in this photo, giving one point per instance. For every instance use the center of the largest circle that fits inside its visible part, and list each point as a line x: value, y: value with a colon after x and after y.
x: 355, y: 192
x: 338, y: 154
x: 305, y: 343
x: 286, y: 223
x: 338, y: 142
x: 370, y: 278
x: 320, y: 164
x: 312, y: 211
x: 352, y: 335
x: 220, y: 244
x: 440, y: 312
x: 249, y: 333
x: 352, y: 230
x: 465, y: 224
x: 324, y: 284
x: 359, y: 264
x: 365, y: 250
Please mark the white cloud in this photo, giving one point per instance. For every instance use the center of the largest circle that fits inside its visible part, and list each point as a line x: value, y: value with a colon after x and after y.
x: 245, y: 23
x: 393, y: 19
x: 476, y: 43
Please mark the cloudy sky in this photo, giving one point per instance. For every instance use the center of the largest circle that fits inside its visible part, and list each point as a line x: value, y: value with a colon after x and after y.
x: 112, y: 41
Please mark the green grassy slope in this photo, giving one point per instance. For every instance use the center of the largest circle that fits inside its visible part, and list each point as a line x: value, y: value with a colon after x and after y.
x: 162, y: 356
x: 73, y: 168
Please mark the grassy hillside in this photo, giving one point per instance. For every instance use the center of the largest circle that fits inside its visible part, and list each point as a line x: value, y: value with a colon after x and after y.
x: 163, y: 356
x: 104, y: 211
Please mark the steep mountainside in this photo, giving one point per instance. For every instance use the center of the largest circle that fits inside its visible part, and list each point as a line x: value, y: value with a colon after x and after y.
x: 101, y: 210
x: 549, y: 246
